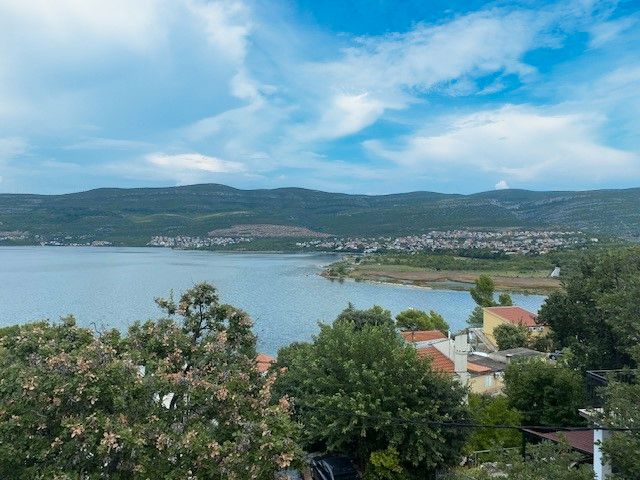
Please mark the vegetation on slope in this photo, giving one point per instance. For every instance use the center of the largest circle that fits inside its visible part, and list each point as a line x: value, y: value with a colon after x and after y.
x: 132, y: 216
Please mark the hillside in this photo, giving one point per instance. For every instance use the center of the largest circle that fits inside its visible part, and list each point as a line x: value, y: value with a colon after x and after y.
x: 132, y: 216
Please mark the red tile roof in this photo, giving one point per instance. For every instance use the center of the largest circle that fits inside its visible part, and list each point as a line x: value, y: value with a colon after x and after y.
x: 442, y: 363
x: 422, y: 335
x: 439, y: 361
x: 581, y: 440
x: 515, y: 315
x: 264, y: 361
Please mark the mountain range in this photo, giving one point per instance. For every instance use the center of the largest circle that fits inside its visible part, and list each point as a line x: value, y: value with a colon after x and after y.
x: 132, y: 216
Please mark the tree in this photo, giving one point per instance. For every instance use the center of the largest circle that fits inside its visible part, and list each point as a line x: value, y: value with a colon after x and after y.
x: 543, y: 462
x: 597, y: 315
x: 483, y: 290
x: 385, y: 465
x: 171, y: 399
x: 510, y: 336
x: 414, y: 319
x: 483, y: 293
x: 375, y: 315
x: 364, y: 390
x: 545, y: 394
x: 622, y: 410
x: 487, y: 410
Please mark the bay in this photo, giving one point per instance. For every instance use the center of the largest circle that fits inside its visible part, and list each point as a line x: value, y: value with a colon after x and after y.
x: 283, y: 293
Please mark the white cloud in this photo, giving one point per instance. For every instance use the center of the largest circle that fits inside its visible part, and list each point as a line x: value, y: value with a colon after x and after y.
x: 394, y: 71
x: 193, y: 162
x: 344, y: 115
x: 226, y: 24
x: 523, y: 143
x: 60, y: 60
x: 604, y: 32
x: 501, y: 185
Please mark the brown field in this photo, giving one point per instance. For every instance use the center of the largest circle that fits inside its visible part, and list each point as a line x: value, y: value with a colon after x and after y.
x: 528, y: 283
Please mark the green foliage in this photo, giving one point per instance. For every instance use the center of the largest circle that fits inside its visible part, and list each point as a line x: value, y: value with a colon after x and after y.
x: 483, y: 290
x: 375, y: 315
x: 541, y: 343
x: 544, y: 393
x: 622, y: 410
x: 132, y: 216
x: 385, y: 465
x: 504, y: 299
x: 510, y: 336
x: 487, y: 410
x: 414, y: 319
x: 171, y: 399
x: 597, y: 316
x: 476, y: 319
x: 338, y: 269
x: 483, y: 293
x: 545, y: 461
x: 362, y: 390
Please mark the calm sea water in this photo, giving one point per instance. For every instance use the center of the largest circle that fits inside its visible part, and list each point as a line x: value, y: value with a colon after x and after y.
x: 112, y: 287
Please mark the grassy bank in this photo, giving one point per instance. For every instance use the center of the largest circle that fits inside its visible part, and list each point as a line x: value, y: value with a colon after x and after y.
x: 515, y: 273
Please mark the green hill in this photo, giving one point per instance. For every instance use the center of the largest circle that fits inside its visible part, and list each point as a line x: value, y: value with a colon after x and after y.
x: 132, y: 216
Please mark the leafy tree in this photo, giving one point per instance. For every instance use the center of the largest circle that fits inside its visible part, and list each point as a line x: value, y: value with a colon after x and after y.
x: 487, y: 410
x: 375, y: 315
x: 545, y: 461
x: 171, y: 399
x: 483, y: 293
x: 597, y: 315
x: 541, y: 343
x: 510, y: 336
x: 545, y: 394
x: 414, y: 319
x: 504, y: 299
x: 622, y: 410
x: 483, y: 290
x: 385, y: 465
x: 476, y: 319
x: 364, y: 390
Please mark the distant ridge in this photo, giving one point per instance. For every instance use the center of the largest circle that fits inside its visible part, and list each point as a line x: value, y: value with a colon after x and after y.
x: 132, y: 216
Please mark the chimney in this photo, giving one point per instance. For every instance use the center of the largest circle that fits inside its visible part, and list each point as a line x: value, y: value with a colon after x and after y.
x: 460, y: 353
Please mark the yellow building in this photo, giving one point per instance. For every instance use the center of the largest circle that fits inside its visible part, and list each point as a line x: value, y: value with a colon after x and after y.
x: 518, y: 316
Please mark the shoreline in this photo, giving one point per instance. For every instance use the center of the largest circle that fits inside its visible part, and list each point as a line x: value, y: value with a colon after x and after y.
x: 451, y: 280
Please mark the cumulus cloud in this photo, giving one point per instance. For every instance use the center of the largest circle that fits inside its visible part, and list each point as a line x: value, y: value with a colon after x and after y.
x: 501, y: 185
x: 522, y: 142
x: 246, y: 81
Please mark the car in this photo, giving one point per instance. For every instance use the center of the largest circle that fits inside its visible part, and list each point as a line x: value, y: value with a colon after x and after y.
x: 334, y: 467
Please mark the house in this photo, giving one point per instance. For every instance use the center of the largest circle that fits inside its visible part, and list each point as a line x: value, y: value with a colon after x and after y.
x: 496, y: 316
x: 518, y: 353
x: 480, y: 372
x: 419, y: 336
x: 264, y: 362
x: 579, y: 440
x: 490, y: 380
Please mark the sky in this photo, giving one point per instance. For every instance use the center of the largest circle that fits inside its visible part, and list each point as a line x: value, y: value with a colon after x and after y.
x: 365, y: 96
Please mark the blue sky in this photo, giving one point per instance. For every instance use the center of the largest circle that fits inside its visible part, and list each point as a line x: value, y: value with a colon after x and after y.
x: 370, y: 96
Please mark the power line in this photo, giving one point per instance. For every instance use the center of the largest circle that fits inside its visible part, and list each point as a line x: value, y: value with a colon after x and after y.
x: 462, y: 424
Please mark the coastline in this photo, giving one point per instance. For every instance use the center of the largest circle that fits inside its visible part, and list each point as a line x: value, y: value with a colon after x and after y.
x: 450, y: 280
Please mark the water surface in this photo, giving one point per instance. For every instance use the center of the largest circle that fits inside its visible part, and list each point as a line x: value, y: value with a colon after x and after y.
x: 283, y: 293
